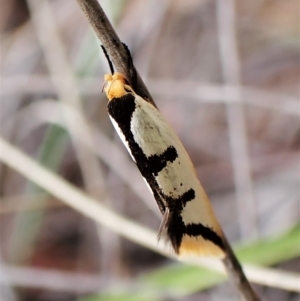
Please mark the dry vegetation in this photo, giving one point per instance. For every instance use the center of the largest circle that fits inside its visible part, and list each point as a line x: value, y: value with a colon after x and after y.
x: 228, y: 84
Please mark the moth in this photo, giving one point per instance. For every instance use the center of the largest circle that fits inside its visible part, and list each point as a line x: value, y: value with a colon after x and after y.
x: 189, y: 222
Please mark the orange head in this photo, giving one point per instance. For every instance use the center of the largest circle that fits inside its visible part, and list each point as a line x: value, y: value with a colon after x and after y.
x: 116, y: 85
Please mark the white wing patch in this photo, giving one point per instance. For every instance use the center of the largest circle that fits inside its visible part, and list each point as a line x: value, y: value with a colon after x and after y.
x: 170, y: 181
x: 146, y: 124
x: 121, y: 135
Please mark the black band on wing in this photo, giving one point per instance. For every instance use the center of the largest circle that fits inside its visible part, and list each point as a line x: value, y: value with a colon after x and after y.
x: 187, y: 197
x: 121, y: 110
x: 158, y: 162
x: 206, y: 232
x: 177, y: 204
x: 176, y: 227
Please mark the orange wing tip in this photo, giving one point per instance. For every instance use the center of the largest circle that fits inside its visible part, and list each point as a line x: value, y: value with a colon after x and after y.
x: 114, y: 85
x: 196, y: 246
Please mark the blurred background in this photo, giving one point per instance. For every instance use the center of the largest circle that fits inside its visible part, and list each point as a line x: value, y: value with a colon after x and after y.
x: 224, y: 73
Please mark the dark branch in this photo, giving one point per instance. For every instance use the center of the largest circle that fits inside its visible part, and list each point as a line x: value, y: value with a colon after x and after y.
x: 237, y: 276
x: 117, y: 51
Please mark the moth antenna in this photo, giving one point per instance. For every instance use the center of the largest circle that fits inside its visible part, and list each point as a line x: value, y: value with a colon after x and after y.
x: 111, y: 67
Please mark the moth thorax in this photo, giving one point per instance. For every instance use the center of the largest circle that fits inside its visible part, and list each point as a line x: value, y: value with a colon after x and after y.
x: 114, y: 85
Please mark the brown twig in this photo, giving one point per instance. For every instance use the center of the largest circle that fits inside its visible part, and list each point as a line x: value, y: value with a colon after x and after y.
x: 122, y: 61
x: 117, y: 51
x: 237, y: 276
